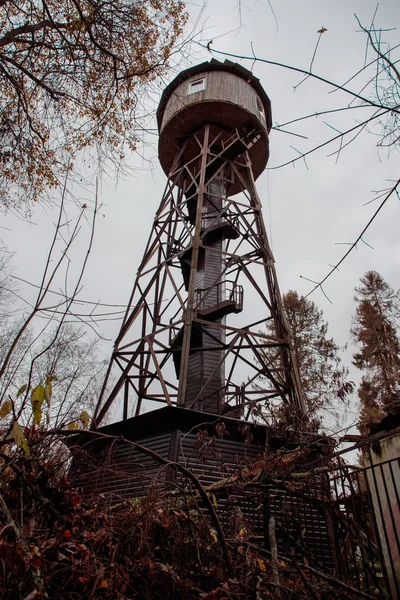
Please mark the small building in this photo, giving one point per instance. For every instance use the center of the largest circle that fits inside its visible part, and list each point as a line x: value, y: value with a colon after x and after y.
x: 383, y: 458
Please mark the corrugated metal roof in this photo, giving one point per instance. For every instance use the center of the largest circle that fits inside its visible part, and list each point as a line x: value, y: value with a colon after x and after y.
x: 170, y: 418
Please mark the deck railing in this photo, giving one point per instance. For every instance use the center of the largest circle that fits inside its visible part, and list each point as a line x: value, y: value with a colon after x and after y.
x: 220, y: 294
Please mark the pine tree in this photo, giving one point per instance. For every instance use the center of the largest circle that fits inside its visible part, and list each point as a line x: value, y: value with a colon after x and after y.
x: 375, y: 332
x: 323, y: 378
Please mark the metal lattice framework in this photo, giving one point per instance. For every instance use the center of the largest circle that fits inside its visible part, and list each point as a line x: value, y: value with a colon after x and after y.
x: 204, y: 291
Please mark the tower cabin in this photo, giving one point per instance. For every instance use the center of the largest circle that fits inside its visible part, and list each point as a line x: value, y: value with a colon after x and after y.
x: 225, y: 95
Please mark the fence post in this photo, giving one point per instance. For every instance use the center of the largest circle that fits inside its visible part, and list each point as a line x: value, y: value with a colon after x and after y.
x: 274, y: 551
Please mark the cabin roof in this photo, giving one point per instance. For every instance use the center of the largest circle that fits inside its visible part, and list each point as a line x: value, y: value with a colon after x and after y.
x: 170, y: 418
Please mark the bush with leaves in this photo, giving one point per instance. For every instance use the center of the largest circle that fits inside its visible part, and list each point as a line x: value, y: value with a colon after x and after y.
x: 57, y: 543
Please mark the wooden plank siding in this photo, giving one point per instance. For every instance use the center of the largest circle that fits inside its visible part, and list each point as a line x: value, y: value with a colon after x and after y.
x: 237, y: 507
x: 224, y: 457
x: 219, y: 86
x: 302, y: 526
x: 119, y: 470
x: 114, y: 468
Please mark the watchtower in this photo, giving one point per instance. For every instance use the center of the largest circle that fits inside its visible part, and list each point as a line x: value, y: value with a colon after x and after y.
x: 194, y: 334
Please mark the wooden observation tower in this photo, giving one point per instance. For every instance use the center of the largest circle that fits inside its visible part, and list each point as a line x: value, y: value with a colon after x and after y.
x: 194, y: 334
x: 205, y: 338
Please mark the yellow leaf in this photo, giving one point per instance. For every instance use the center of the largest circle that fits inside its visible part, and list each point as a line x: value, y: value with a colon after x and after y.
x: 48, y: 392
x: 103, y: 584
x: 38, y: 394
x: 261, y: 565
x: 37, y: 414
x: 214, y: 535
x: 19, y: 438
x: 84, y: 418
x: 5, y: 408
x: 214, y: 499
x: 21, y: 390
x: 17, y: 432
x: 37, y: 398
x: 73, y: 425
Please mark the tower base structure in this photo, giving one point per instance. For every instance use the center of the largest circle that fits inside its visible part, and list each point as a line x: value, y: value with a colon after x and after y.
x: 212, y: 448
x: 194, y: 332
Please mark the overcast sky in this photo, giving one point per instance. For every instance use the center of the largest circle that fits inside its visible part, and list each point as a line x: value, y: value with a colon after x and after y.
x: 310, y: 209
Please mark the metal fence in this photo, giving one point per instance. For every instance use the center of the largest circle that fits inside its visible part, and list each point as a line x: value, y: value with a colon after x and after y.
x: 341, y: 518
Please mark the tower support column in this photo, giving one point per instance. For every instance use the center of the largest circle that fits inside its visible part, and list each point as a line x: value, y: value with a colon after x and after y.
x: 196, y: 241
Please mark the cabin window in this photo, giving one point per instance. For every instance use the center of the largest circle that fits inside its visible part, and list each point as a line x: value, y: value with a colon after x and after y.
x: 197, y: 85
x: 260, y: 107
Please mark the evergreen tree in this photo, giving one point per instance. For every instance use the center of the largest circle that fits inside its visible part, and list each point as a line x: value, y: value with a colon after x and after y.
x: 323, y: 378
x: 375, y: 332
